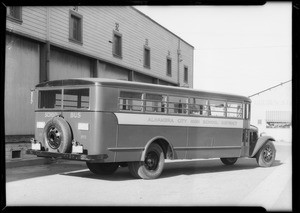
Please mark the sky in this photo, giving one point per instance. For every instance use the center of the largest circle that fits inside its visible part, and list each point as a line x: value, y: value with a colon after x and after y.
x: 238, y: 49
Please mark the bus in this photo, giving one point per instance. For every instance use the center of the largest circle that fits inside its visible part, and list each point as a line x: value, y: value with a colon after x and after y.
x: 113, y: 123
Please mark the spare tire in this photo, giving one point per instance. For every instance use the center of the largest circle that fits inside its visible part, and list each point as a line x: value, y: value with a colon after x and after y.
x: 57, y: 135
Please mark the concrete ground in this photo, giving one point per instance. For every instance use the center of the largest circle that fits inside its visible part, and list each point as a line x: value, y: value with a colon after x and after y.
x: 182, y: 183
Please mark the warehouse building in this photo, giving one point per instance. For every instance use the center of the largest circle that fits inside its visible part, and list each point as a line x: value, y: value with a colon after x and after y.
x: 50, y: 43
x: 272, y: 112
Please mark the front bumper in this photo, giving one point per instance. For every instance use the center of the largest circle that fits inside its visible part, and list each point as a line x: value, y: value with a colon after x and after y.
x: 68, y: 156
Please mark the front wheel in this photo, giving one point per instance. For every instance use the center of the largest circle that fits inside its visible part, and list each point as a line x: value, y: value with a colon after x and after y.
x: 151, y: 167
x: 102, y: 168
x: 266, y: 155
x: 228, y: 161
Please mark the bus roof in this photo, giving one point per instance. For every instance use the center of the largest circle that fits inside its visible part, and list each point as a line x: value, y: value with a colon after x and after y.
x: 141, y: 86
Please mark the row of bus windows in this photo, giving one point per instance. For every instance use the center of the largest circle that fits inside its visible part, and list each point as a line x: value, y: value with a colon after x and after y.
x: 156, y: 103
x: 71, y: 99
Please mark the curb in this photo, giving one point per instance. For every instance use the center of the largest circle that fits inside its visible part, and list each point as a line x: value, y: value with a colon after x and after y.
x: 29, y: 162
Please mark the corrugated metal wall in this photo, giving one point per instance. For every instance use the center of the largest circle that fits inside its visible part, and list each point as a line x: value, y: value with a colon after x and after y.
x: 22, y: 74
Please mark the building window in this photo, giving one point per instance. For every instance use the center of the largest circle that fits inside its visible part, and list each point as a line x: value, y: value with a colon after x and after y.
x: 185, y: 74
x: 146, y: 57
x: 15, y: 14
x: 259, y: 121
x: 75, y: 31
x: 117, y: 44
x: 169, y: 66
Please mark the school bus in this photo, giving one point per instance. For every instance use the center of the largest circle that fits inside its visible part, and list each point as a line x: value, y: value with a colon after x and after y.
x: 111, y: 123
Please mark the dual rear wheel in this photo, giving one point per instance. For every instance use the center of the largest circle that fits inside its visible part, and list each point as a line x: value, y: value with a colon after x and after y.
x: 150, y: 168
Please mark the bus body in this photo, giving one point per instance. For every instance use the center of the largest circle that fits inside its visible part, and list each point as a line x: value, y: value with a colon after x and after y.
x: 111, y: 123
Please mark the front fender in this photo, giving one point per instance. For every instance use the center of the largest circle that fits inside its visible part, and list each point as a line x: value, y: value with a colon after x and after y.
x: 260, y: 142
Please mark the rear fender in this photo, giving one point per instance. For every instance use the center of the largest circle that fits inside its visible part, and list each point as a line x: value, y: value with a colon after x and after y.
x: 260, y: 142
x: 156, y: 140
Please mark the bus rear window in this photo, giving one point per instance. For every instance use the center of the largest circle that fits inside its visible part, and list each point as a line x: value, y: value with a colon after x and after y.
x: 50, y: 99
x: 76, y: 98
x: 72, y: 99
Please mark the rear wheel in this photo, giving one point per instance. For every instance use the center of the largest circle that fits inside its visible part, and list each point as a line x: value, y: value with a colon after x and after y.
x: 102, y: 168
x: 228, y: 161
x: 151, y: 167
x: 266, y: 155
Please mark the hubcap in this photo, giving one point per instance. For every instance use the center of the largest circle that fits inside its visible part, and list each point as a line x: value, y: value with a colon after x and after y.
x: 268, y: 154
x: 151, y: 161
x: 54, y: 139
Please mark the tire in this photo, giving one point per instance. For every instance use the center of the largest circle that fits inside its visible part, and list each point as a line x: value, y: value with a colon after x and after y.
x: 228, y: 161
x: 265, y: 157
x: 151, y: 167
x: 102, y: 168
x: 57, y: 135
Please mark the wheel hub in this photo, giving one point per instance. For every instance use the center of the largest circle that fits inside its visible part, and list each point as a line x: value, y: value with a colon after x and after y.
x: 268, y: 154
x: 151, y: 161
x: 54, y: 138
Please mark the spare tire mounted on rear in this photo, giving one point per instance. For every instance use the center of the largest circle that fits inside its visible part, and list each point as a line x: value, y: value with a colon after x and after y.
x: 57, y: 135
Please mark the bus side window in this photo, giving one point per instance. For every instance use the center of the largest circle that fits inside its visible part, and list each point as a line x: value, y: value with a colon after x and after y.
x: 131, y: 101
x: 178, y: 105
x: 217, y: 108
x: 234, y: 110
x: 196, y: 106
x: 155, y: 103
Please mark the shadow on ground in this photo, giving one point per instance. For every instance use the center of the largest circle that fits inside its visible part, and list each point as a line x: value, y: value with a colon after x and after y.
x: 171, y: 169
x: 176, y: 168
x: 25, y: 172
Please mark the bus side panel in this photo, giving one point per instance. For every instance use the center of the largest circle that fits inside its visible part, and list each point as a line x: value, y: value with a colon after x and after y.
x: 131, y: 136
x: 105, y: 135
x: 199, y: 142
x: 225, y: 138
x: 214, y: 142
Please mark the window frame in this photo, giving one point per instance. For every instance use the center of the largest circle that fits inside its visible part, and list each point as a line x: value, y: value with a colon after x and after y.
x: 47, y: 90
x: 117, y: 34
x: 186, y: 109
x: 80, y: 31
x: 73, y: 109
x: 61, y: 108
x: 14, y: 18
x: 169, y: 71
x: 146, y: 48
x: 185, y: 74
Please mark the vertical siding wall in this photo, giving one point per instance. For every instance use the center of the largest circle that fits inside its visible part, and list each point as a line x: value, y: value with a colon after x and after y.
x: 41, y: 24
x: 187, y: 59
x: 33, y: 22
x: 98, y: 26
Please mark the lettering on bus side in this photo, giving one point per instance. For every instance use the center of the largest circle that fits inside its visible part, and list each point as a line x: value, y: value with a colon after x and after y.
x: 51, y: 114
x: 75, y: 115
x: 163, y: 120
